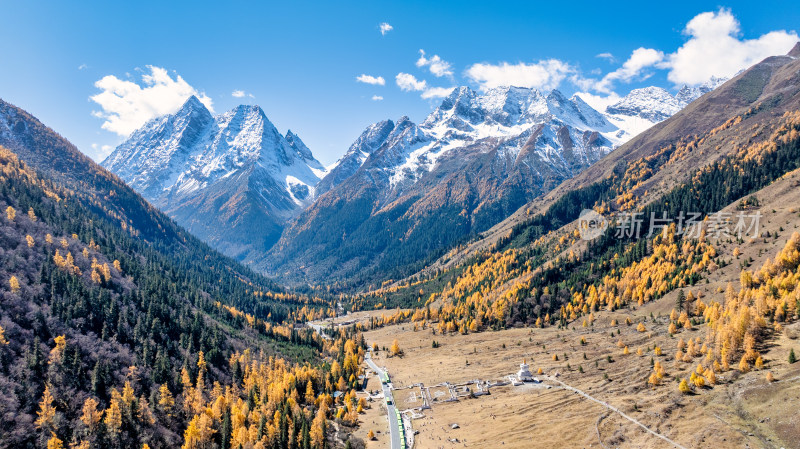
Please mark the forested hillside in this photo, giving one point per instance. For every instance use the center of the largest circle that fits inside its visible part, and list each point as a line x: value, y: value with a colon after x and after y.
x: 119, y: 329
x: 542, y: 273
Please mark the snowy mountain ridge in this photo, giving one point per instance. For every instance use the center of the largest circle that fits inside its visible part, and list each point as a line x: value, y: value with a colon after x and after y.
x: 508, y: 114
x: 235, y: 181
x: 231, y: 179
x: 643, y: 108
x: 178, y: 154
x: 504, y: 113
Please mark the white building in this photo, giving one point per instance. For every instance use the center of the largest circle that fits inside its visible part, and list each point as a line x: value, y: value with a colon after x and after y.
x: 524, y: 375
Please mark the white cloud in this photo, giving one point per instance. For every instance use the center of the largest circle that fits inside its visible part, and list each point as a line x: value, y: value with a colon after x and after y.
x: 407, y: 82
x: 599, y: 102
x: 128, y: 105
x: 714, y: 48
x: 640, y: 59
x: 435, y: 64
x: 377, y: 98
x: 368, y: 79
x: 546, y: 74
x: 385, y: 28
x: 100, y: 152
x: 238, y: 94
x: 436, y: 92
x: 607, y: 56
x: 83, y: 67
x: 583, y: 83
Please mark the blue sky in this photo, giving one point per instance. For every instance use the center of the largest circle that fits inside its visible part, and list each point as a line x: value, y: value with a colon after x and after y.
x: 300, y: 60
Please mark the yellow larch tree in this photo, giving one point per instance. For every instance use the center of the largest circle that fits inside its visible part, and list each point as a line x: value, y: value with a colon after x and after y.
x: 91, y: 416
x: 54, y: 442
x: 395, y: 348
x: 113, y: 419
x: 165, y: 399
x: 57, y: 353
x: 47, y: 411
x: 309, y: 396
x: 13, y: 283
x: 318, y: 428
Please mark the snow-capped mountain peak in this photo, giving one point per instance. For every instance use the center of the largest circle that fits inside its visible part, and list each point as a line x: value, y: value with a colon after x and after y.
x: 517, y: 118
x: 651, y: 103
x: 643, y: 108
x: 194, y: 157
x: 688, y: 94
x: 150, y: 156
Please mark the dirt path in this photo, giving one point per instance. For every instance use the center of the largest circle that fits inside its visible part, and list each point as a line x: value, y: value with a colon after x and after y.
x: 615, y: 410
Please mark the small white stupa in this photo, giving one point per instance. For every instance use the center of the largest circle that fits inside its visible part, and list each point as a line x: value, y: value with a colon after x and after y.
x: 524, y: 375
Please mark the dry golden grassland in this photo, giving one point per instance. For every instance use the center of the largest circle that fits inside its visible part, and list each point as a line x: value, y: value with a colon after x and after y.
x: 740, y: 410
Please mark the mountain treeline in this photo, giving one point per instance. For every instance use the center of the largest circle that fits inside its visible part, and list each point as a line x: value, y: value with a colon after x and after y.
x: 118, y: 329
x: 549, y: 287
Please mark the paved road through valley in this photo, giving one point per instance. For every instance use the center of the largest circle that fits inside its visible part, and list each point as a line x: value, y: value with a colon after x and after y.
x: 395, y: 426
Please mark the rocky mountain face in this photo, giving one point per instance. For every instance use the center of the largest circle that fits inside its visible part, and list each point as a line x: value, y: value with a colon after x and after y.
x: 401, y: 194
x: 232, y: 179
x: 737, y: 141
x: 369, y: 141
x: 410, y: 190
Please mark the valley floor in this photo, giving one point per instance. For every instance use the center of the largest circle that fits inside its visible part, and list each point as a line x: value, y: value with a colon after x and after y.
x: 742, y: 410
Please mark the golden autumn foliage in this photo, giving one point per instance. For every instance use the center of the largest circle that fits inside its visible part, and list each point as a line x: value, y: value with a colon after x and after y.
x: 199, y: 432
x: 47, y: 411
x: 13, y: 283
x: 113, y: 418
x: 54, y: 442
x: 395, y: 348
x: 738, y: 323
x: 57, y: 353
x: 710, y: 376
x: 165, y: 399
x: 91, y: 416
